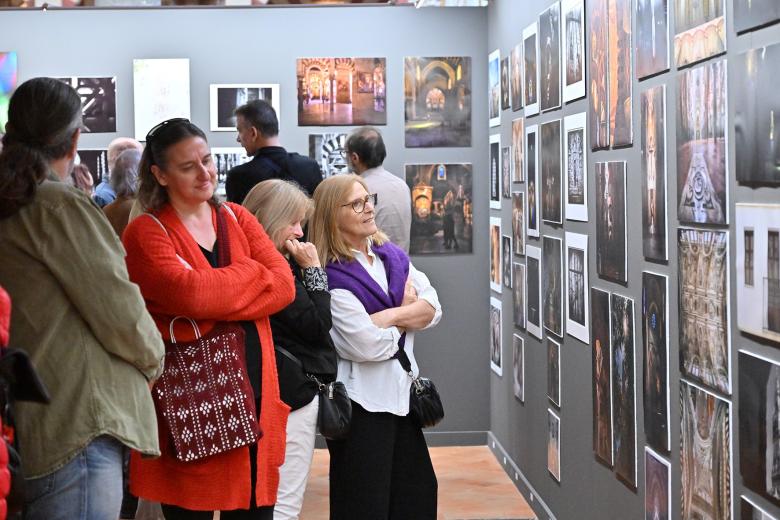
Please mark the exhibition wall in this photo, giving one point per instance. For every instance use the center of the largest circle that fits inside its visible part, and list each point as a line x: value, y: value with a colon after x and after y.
x: 718, y: 442
x: 261, y: 45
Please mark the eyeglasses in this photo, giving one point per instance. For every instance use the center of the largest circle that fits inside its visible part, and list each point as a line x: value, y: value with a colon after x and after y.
x: 359, y: 205
x: 165, y: 124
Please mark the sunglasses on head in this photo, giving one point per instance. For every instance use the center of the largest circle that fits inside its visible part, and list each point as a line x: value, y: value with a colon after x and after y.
x: 156, y: 129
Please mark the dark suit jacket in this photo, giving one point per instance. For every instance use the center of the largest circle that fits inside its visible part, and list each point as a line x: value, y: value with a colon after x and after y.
x: 272, y: 162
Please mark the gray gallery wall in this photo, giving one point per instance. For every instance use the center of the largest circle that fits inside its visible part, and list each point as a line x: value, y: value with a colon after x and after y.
x: 589, y: 490
x: 260, y: 45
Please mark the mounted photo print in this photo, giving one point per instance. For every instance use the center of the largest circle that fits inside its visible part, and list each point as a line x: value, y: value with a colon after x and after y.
x: 8, y: 80
x: 532, y: 180
x: 602, y: 377
x: 611, y: 234
x: 574, y: 49
x: 516, y: 79
x: 341, y: 91
x: 225, y: 99
x: 550, y: 58
x: 518, y: 150
x: 748, y: 509
x: 754, y: 14
x: 225, y: 160
x: 652, y: 37
x: 621, y: 76
x: 577, y: 315
x: 554, y: 445
x: 495, y: 254
x: 505, y: 95
x: 550, y: 159
x: 506, y: 173
x: 518, y: 222
x: 329, y: 152
x: 700, y: 30
x: 98, y: 103
x: 494, y: 87
x: 530, y: 70
x: 658, y: 485
x: 96, y: 160
x: 437, y: 102
x: 576, y: 161
x: 655, y: 368
x: 534, y: 290
x: 554, y: 372
x: 518, y: 365
x: 623, y: 388
x: 496, y: 355
x: 598, y: 104
x: 653, y: 162
x: 495, y: 171
x: 161, y: 90
x: 518, y: 295
x: 552, y: 284
x: 506, y: 260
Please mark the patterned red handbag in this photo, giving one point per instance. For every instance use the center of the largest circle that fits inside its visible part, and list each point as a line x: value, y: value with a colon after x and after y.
x: 204, y: 397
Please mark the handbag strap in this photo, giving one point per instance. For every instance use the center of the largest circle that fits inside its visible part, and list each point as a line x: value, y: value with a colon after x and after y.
x: 289, y: 355
x: 192, y: 322
x: 403, y: 358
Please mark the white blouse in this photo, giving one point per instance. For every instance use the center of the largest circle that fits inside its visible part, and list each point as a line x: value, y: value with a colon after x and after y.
x: 366, y: 366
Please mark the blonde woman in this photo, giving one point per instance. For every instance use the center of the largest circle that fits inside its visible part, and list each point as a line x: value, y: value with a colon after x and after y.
x: 301, y: 332
x: 382, y: 470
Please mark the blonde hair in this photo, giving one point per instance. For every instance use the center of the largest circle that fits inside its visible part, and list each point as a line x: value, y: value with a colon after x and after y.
x: 277, y: 204
x: 329, y: 196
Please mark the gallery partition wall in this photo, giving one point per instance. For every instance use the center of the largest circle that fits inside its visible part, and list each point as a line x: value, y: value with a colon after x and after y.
x: 635, y: 346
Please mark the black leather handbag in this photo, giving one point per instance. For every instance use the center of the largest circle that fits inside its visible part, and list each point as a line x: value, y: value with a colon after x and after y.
x: 425, y: 406
x: 335, y: 412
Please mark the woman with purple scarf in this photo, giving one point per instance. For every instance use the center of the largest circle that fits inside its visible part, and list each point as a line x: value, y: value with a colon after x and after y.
x: 382, y: 470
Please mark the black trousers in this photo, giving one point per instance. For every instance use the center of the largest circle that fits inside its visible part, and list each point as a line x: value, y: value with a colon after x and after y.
x: 382, y: 470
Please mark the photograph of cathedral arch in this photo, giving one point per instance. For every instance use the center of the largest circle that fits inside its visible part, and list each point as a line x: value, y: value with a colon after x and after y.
x: 437, y: 102
x: 341, y: 91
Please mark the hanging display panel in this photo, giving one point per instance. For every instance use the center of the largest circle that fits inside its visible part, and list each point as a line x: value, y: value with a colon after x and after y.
x: 518, y: 295
x: 655, y: 373
x: 602, y: 376
x: 576, y: 160
x: 518, y: 222
x: 495, y: 171
x: 759, y: 431
x: 705, y: 454
x: 652, y: 37
x: 753, y: 14
x: 700, y: 30
x: 506, y: 172
x: 611, y: 257
x: 506, y: 260
x: 704, y: 314
x: 658, y: 483
x: 755, y: 76
x: 554, y: 444
x: 532, y: 176
x: 621, y: 130
x: 552, y: 284
x: 534, y: 290
x: 442, y: 217
x: 518, y: 150
x: 552, y: 184
x: 530, y: 70
x: 516, y: 70
x: 505, y: 94
x: 577, y: 318
x: 496, y: 338
x: 494, y: 87
x: 495, y: 254
x: 598, y: 106
x: 330, y: 153
x: 701, y: 145
x: 554, y: 372
x: 518, y: 364
x: 98, y: 103
x: 653, y: 163
x: 623, y: 388
x: 341, y: 91
x: 161, y: 90
x: 225, y: 99
x: 8, y: 80
x: 574, y: 49
x: 550, y: 58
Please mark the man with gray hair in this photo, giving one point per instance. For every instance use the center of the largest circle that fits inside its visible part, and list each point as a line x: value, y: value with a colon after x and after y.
x: 104, y: 193
x: 366, y: 153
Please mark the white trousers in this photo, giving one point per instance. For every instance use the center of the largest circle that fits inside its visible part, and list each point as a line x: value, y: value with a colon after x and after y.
x: 301, y: 430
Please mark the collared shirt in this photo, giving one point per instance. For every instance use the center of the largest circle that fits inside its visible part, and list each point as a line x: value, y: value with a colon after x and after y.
x: 374, y: 379
x: 393, y: 211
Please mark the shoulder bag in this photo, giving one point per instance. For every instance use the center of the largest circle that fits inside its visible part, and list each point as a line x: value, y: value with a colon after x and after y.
x: 425, y: 407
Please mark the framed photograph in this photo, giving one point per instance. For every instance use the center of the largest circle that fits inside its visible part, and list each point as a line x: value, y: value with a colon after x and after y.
x: 552, y: 284
x: 759, y: 437
x: 505, y: 95
x: 554, y: 372
x: 653, y: 162
x: 705, y: 453
x: 506, y: 174
x: 518, y: 222
x: 518, y: 295
x: 552, y: 186
x: 96, y: 160
x: 623, y: 388
x: 530, y: 70
x: 161, y: 90
x: 621, y: 76
x: 652, y: 37
x: 329, y: 152
x: 577, y: 318
x: 554, y: 444
x: 753, y: 76
x: 598, y: 106
x: 749, y: 509
x: 494, y: 87
x: 496, y: 339
x: 655, y: 372
x: 702, y: 175
x: 226, y: 98
x: 437, y: 101
x: 701, y: 33
x: 329, y: 91
x: 518, y: 364
x: 441, y: 208
x: 611, y: 257
x: 550, y: 58
x: 754, y: 14
x: 576, y: 160
x: 758, y: 270
x: 226, y: 159
x: 658, y: 485
x: 518, y: 150
x: 98, y: 103
x: 506, y: 260
x: 574, y: 49
x: 516, y: 70
x: 532, y: 177
x: 495, y: 171
x: 602, y: 377
x: 8, y: 80
x: 703, y: 280
x: 495, y: 254
x: 534, y: 290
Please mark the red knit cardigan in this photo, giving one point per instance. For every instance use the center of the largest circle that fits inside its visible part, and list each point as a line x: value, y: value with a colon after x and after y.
x: 257, y: 283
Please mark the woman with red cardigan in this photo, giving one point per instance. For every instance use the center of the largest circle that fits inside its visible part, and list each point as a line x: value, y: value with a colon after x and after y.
x: 172, y: 255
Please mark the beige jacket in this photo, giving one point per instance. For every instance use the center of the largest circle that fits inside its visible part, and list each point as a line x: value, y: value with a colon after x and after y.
x: 84, y: 325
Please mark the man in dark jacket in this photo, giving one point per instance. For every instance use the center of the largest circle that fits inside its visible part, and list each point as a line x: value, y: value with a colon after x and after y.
x: 258, y: 133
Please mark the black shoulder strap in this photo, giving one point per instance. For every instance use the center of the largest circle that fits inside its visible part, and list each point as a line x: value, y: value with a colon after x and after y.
x: 286, y: 353
x: 271, y: 165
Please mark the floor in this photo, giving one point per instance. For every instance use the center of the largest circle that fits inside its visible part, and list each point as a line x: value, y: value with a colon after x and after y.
x: 472, y: 486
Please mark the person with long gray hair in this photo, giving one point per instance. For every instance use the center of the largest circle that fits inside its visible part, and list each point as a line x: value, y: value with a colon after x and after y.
x: 124, y: 180
x: 82, y: 322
